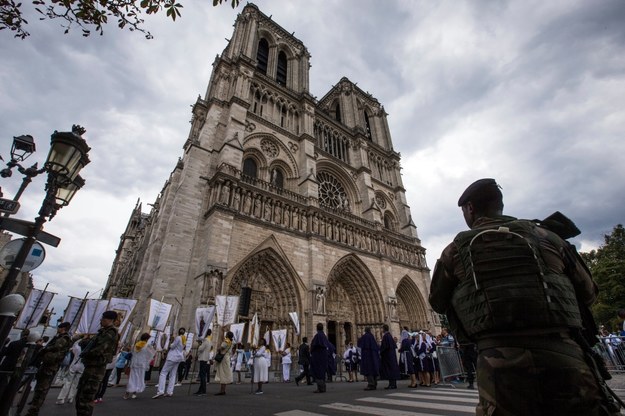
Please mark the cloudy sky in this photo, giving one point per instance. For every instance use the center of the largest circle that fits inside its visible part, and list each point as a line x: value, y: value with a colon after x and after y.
x: 531, y: 93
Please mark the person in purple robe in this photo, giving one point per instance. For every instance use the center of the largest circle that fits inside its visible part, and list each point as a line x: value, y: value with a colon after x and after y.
x: 319, y: 358
x: 331, y: 361
x: 369, y: 359
x: 389, y: 368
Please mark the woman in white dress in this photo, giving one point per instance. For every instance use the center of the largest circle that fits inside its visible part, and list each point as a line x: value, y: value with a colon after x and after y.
x: 223, y: 371
x: 142, y: 354
x: 261, y: 369
x: 286, y: 363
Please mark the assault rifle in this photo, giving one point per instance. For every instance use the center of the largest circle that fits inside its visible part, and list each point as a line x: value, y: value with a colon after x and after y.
x: 586, y: 337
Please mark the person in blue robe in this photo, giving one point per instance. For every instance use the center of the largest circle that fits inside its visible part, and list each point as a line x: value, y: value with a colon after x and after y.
x: 389, y: 368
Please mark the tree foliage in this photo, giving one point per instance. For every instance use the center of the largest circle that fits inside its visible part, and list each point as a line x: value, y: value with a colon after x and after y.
x: 91, y: 15
x: 607, y: 265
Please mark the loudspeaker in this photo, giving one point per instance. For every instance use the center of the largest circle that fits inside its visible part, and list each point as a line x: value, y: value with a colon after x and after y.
x: 244, y: 301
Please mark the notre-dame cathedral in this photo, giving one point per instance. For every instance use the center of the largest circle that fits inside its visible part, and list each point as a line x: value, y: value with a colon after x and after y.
x: 299, y: 199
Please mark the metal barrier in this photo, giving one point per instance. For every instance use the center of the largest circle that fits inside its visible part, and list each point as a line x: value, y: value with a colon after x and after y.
x: 449, y: 363
x: 612, y: 349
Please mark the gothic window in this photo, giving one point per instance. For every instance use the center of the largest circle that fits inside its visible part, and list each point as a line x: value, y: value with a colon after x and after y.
x: 282, y: 66
x: 262, y: 56
x: 389, y: 221
x: 283, y: 120
x: 368, y: 127
x: 257, y: 108
x: 331, y: 192
x: 337, y: 111
x: 250, y: 168
x: 277, y: 178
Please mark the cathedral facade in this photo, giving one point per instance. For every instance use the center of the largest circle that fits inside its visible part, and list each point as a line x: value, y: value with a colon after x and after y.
x: 295, y: 200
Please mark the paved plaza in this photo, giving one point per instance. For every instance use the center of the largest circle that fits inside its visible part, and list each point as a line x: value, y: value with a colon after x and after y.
x: 286, y: 399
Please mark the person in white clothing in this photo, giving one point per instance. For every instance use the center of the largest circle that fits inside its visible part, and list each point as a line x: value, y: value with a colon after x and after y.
x: 261, y: 369
x: 175, y: 356
x: 142, y: 354
x: 70, y: 385
x: 286, y: 363
x: 239, y: 360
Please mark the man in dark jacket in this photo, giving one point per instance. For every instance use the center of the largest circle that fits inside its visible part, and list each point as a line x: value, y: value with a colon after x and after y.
x: 369, y: 359
x: 319, y: 358
x: 515, y: 289
x: 51, y: 357
x: 304, y: 361
x: 389, y: 369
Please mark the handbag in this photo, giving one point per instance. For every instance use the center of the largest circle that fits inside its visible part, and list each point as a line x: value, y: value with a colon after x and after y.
x: 219, y: 357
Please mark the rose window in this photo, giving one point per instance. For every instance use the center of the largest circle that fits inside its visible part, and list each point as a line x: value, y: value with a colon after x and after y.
x: 331, y: 192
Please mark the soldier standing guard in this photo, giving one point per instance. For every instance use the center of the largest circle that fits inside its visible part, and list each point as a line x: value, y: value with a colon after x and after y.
x: 51, y: 356
x: 518, y: 291
x: 96, y: 355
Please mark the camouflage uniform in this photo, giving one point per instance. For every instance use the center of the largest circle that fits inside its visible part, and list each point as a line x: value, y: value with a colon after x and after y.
x: 535, y: 371
x: 96, y: 355
x: 51, y: 356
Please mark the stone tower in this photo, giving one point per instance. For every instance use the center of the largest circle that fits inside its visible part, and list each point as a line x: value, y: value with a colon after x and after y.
x: 299, y: 199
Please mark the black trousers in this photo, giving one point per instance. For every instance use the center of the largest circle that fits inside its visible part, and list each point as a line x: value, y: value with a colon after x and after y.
x: 204, y: 376
x: 305, y: 373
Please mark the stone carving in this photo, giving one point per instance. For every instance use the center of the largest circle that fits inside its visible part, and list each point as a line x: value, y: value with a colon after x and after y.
x: 320, y: 300
x: 269, y: 148
x: 225, y: 193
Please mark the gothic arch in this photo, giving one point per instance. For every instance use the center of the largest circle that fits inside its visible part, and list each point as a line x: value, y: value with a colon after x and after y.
x: 352, y: 277
x: 258, y: 157
x: 411, y: 306
x: 276, y: 286
x: 284, y: 157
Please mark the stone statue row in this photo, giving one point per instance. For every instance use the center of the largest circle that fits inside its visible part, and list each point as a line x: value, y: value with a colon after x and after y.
x: 275, y: 211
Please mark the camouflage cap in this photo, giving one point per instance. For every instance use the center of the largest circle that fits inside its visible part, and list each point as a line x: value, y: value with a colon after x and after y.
x: 482, y: 189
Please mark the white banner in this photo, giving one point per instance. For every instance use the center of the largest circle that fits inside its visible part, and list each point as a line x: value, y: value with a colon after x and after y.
x: 253, y: 335
x: 237, y: 330
x: 203, y: 320
x: 162, y: 339
x: 189, y: 344
x: 35, y: 307
x: 227, y: 309
x: 159, y: 313
x: 91, y: 313
x: 295, y: 320
x: 267, y: 337
x: 72, y: 312
x: 124, y: 308
x: 279, y: 338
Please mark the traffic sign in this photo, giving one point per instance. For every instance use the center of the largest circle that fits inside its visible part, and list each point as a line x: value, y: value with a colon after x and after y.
x: 9, y: 252
x: 22, y: 227
x: 9, y: 206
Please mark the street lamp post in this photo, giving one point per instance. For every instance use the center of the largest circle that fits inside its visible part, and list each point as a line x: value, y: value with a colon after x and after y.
x: 67, y: 156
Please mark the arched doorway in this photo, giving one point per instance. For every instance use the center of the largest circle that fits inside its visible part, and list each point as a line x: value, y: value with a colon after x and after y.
x: 354, y: 301
x: 274, y: 290
x: 411, y: 307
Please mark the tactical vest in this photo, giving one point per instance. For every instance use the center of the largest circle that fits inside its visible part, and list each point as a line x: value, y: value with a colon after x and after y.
x: 507, y: 285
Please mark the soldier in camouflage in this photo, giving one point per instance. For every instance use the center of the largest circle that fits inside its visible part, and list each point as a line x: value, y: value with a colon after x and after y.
x: 50, y: 357
x: 95, y: 356
x: 512, y: 287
